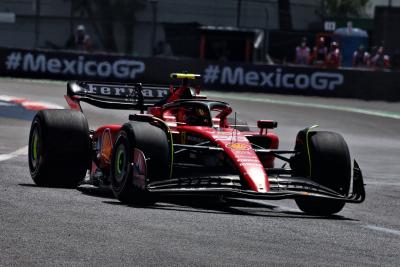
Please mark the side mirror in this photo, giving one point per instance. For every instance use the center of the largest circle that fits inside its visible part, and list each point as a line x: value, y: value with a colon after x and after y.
x: 266, y: 124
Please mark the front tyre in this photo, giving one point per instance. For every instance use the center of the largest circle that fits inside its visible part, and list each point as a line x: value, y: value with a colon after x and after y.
x: 325, y: 158
x: 141, y: 154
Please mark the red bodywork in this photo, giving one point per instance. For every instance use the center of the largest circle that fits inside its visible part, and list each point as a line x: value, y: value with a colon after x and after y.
x: 238, y: 148
x: 234, y: 143
x: 183, y: 143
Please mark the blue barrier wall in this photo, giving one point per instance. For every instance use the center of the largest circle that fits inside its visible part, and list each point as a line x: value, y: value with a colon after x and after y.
x: 225, y: 76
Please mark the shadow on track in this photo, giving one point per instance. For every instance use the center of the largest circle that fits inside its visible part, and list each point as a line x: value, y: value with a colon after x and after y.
x: 207, y: 204
x: 28, y: 185
x: 98, y: 192
x: 217, y: 205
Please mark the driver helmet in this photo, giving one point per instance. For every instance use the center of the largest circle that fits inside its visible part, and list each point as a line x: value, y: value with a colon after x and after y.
x: 196, y: 116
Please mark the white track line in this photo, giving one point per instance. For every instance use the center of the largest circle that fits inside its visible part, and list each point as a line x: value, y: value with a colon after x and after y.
x: 383, y: 229
x: 265, y: 99
x: 20, y: 152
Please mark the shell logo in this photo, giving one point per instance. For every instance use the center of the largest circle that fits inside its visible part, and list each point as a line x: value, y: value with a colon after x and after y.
x: 239, y: 146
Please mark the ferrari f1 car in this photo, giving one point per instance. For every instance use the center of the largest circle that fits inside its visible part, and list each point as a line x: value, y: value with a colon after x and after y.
x: 180, y: 142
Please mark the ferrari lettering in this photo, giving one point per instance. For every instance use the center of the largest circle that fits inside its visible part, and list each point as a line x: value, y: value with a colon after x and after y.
x: 99, y: 89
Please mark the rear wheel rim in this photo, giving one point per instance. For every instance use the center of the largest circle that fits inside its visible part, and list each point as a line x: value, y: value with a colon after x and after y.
x: 35, y: 148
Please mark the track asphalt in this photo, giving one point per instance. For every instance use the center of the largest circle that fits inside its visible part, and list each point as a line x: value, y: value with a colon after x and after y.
x: 57, y: 227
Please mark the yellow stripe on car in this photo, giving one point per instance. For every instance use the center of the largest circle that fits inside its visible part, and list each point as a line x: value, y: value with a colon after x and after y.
x: 189, y: 76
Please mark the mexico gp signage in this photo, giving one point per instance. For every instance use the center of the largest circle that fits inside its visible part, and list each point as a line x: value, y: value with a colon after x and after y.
x: 67, y: 65
x: 223, y: 76
x: 272, y: 78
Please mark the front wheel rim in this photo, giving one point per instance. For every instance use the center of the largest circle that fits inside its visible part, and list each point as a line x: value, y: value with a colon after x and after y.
x: 120, y: 163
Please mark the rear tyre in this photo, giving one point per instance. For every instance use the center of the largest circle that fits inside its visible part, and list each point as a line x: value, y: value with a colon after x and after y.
x: 140, y: 155
x: 59, y: 148
x: 329, y: 166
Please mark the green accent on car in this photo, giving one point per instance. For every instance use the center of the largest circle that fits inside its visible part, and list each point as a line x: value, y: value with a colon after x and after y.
x: 120, y: 161
x: 35, y: 145
x: 308, y: 148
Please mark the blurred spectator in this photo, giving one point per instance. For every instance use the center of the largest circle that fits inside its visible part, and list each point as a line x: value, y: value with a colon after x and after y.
x: 81, y: 41
x: 302, y: 53
x: 334, y: 56
x: 395, y: 60
x: 319, y: 53
x: 380, y: 60
x: 360, y: 58
x: 372, y: 53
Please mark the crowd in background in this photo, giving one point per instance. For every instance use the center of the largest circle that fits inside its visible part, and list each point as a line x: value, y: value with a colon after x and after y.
x: 330, y: 56
x: 324, y: 54
x: 80, y: 40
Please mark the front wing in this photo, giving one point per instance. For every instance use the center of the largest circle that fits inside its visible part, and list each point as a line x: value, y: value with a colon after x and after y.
x: 281, y: 187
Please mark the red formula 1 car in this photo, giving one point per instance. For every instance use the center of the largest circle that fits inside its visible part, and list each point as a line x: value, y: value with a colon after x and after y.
x: 183, y: 143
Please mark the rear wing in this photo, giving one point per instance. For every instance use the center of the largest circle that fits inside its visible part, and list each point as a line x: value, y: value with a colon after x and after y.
x: 115, y: 95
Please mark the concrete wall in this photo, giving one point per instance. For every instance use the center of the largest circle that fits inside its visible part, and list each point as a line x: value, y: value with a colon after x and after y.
x: 55, y: 24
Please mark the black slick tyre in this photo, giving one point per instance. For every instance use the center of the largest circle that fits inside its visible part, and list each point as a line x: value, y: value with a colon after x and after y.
x: 152, y: 144
x: 59, y: 148
x: 327, y: 162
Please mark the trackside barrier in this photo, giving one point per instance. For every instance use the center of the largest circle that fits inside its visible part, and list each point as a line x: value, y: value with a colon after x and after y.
x: 224, y: 76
